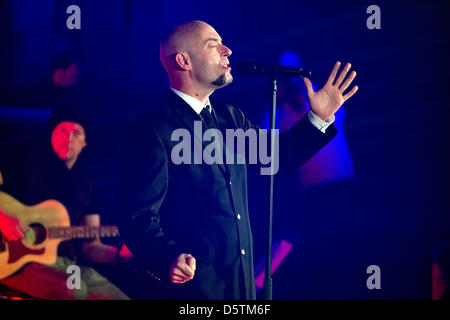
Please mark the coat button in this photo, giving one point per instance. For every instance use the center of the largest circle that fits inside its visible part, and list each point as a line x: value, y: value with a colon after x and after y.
x: 238, y: 216
x: 229, y: 182
x: 243, y: 252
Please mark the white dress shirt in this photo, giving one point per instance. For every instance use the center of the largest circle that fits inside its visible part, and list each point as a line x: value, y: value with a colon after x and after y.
x: 198, y: 106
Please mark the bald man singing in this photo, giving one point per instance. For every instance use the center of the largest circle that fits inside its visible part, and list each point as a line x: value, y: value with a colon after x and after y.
x: 188, y: 223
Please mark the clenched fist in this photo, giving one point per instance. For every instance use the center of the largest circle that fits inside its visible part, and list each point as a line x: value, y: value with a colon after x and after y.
x: 183, y: 268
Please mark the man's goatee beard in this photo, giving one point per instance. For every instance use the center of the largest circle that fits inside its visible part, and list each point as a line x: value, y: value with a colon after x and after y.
x: 220, y: 81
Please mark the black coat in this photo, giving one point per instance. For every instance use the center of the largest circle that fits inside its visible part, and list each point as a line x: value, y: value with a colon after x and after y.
x: 201, y: 209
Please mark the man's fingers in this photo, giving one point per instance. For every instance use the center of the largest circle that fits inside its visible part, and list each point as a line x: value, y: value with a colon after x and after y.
x: 186, y: 270
x: 350, y: 93
x: 10, y: 236
x: 308, y: 85
x: 190, y: 260
x: 17, y: 233
x: 176, y: 278
x: 13, y: 234
x: 333, y: 73
x: 21, y: 229
x: 347, y: 82
x: 187, y: 265
x: 179, y: 272
x: 178, y: 281
x: 343, y: 74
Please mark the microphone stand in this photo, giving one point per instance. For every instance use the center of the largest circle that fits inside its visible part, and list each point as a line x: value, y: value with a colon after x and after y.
x: 268, y: 271
x: 255, y: 69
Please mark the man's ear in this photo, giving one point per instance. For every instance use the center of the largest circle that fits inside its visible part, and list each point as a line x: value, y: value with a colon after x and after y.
x: 183, y: 61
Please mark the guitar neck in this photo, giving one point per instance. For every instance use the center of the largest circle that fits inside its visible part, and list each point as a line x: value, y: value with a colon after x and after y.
x: 83, y: 232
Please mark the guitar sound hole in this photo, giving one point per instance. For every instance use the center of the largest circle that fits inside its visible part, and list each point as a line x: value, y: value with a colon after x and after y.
x: 37, y: 234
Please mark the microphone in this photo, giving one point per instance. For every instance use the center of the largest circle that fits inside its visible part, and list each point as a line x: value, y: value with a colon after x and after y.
x: 259, y: 69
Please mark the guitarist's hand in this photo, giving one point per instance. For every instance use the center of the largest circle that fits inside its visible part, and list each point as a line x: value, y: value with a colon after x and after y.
x: 183, y: 268
x: 10, y: 227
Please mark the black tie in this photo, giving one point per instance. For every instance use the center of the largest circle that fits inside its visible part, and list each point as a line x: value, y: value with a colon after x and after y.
x: 207, y: 117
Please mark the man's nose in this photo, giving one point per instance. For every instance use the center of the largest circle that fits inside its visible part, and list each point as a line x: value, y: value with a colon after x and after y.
x: 226, y: 51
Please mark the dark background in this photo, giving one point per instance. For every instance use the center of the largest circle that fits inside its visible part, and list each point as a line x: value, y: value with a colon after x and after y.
x: 392, y: 210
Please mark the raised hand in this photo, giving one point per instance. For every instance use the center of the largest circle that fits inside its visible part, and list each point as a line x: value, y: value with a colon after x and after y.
x: 325, y: 102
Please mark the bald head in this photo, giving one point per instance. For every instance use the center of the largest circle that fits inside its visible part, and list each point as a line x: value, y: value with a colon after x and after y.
x: 178, y: 39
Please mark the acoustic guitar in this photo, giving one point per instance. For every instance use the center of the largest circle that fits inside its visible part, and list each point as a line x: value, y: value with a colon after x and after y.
x: 47, y: 225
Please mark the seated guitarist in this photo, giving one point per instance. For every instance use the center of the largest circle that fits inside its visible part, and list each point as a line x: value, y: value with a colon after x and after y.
x: 60, y: 173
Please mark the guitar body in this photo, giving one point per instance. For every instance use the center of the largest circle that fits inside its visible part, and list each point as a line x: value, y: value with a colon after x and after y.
x: 36, y: 245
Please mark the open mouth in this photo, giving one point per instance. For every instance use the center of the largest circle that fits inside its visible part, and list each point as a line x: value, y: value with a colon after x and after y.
x: 226, y: 66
